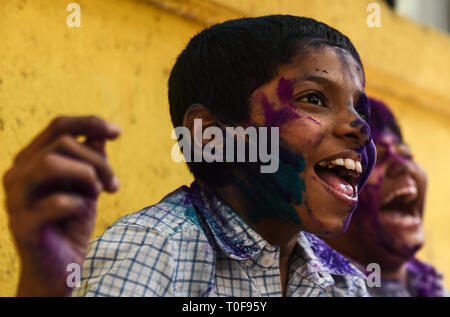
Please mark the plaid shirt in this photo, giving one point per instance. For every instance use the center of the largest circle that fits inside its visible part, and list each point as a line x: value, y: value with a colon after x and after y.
x: 192, y: 244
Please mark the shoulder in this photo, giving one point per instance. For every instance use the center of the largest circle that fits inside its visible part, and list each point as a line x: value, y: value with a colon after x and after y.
x: 148, y: 252
x: 424, y: 280
x: 343, y: 278
x: 330, y: 258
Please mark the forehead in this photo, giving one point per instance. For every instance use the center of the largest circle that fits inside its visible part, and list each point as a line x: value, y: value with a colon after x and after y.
x: 388, y: 137
x: 332, y: 63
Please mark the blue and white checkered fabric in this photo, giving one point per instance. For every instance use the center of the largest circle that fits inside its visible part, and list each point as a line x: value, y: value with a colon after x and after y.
x: 192, y: 244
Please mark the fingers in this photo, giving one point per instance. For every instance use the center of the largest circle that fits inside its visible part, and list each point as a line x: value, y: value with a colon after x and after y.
x: 59, y: 206
x: 97, y: 145
x: 61, y: 174
x: 90, y: 126
x: 68, y: 146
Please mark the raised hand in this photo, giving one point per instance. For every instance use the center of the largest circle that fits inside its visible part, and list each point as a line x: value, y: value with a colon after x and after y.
x: 51, y: 198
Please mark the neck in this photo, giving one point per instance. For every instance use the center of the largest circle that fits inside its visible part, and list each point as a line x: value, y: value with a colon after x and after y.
x: 361, y: 256
x: 399, y: 273
x: 275, y: 231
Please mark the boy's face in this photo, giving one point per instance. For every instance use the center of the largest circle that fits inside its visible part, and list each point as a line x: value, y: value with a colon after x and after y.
x: 389, y: 218
x: 314, y: 101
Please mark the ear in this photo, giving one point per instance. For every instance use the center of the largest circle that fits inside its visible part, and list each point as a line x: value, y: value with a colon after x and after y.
x: 198, y: 111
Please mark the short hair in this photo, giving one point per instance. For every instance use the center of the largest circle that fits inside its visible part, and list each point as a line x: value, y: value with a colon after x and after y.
x: 222, y: 65
x: 382, y: 120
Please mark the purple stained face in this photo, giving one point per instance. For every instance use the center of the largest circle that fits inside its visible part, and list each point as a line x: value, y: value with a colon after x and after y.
x: 387, y: 225
x: 319, y: 104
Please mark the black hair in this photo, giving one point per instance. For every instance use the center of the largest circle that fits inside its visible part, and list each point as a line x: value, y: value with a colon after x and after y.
x: 222, y: 65
x: 382, y: 119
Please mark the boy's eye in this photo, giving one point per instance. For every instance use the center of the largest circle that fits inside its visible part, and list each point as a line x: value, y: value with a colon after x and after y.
x: 313, y: 98
x: 404, y: 151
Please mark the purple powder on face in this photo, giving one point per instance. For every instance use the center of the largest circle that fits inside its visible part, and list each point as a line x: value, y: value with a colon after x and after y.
x: 285, y: 91
x: 364, y: 129
x: 368, y: 151
x: 381, y: 120
x: 346, y: 222
x: 277, y: 118
x: 360, y: 123
x: 314, y: 120
x: 319, y: 140
x: 368, y: 155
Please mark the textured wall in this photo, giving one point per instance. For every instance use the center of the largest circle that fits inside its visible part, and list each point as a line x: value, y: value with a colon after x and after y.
x: 116, y: 65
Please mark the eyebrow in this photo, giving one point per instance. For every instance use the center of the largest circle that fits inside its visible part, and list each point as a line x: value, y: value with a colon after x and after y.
x: 314, y: 78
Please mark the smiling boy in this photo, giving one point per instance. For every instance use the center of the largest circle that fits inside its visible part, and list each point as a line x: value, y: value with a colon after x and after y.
x: 235, y: 231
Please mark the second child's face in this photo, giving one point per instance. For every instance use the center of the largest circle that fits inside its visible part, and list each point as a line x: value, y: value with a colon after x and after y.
x: 391, y: 210
x: 318, y: 103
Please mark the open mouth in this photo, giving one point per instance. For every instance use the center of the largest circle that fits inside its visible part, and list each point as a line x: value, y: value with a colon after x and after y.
x: 402, y: 207
x: 341, y: 175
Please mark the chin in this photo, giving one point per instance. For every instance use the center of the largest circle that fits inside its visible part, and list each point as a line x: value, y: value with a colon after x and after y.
x: 327, y: 214
x: 406, y: 242
x: 327, y: 226
x: 409, y: 248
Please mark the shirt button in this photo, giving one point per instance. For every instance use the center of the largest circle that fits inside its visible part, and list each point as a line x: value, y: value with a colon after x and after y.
x: 267, y: 260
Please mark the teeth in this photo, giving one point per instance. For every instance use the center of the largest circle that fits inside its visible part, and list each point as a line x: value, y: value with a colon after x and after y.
x: 349, y: 164
x: 339, y: 162
x: 358, y: 167
x: 402, y: 219
x: 410, y: 190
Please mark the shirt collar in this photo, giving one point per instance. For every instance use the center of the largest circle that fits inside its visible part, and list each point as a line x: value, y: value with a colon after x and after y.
x: 330, y: 259
x: 239, y: 241
x: 233, y: 235
x: 424, y: 280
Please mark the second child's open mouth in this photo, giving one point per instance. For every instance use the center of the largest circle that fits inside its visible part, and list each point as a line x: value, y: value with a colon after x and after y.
x: 341, y: 175
x: 402, y: 207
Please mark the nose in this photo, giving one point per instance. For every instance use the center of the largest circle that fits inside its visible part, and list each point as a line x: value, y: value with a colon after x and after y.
x: 397, y: 165
x: 352, y: 129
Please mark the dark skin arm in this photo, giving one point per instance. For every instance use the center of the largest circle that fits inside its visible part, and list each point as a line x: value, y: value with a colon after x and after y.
x: 51, y: 198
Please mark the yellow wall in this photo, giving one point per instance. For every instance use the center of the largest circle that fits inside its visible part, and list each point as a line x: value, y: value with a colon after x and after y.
x: 116, y: 65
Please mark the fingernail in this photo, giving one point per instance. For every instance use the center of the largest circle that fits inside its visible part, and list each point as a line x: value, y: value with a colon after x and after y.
x: 115, y: 184
x: 114, y: 128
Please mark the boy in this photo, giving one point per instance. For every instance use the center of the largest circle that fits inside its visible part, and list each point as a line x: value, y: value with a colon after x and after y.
x: 236, y: 231
x: 387, y: 226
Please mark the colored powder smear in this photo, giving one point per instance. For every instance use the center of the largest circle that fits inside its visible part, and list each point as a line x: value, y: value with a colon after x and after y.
x: 332, y: 259
x: 277, y: 118
x: 314, y: 120
x: 274, y: 195
x: 285, y: 91
x: 424, y: 280
x: 367, y: 152
x: 220, y: 226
